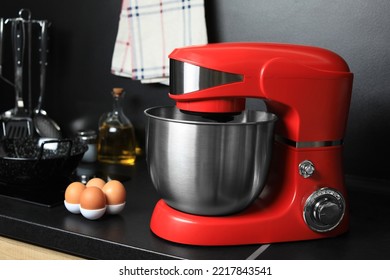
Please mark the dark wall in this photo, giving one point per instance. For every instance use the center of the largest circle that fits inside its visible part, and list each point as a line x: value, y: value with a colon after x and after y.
x: 83, y: 35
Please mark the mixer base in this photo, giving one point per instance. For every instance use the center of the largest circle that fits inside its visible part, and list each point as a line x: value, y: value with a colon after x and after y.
x: 255, y: 225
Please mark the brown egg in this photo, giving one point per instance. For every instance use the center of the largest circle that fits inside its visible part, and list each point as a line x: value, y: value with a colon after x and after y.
x: 115, y: 192
x: 92, y: 198
x: 96, y: 182
x: 73, y: 192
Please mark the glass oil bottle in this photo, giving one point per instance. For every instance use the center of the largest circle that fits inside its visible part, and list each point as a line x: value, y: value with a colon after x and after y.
x: 116, y: 138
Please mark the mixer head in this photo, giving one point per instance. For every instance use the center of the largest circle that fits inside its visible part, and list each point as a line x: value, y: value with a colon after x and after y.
x: 188, y: 78
x: 291, y: 79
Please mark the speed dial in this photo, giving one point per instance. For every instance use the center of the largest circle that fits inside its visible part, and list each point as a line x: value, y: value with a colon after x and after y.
x: 324, y: 209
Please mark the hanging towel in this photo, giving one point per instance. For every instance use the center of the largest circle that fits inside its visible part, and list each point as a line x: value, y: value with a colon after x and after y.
x: 149, y: 30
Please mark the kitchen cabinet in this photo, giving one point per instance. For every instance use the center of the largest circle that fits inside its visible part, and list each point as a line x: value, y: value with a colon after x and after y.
x: 127, y: 235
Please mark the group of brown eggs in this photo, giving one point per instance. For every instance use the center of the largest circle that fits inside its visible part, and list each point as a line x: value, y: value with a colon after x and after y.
x: 95, y: 198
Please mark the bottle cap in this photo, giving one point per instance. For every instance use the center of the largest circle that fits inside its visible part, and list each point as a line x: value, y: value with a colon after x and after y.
x: 117, y: 91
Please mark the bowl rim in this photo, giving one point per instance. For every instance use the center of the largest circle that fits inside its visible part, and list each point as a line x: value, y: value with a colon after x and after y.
x: 271, y: 118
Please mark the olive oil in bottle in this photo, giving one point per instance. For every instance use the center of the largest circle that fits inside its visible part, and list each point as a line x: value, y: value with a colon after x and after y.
x: 116, y: 139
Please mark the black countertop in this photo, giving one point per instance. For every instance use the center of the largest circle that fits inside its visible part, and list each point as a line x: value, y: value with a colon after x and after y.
x: 127, y: 235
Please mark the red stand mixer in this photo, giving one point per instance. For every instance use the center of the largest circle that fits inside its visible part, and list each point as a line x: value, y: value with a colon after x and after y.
x: 309, y: 90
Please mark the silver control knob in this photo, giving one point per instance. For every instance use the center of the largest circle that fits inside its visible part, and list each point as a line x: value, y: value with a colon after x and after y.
x: 306, y: 168
x: 324, y: 209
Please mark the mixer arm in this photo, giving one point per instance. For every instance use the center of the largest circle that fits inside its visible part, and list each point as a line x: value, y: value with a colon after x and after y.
x: 313, y: 104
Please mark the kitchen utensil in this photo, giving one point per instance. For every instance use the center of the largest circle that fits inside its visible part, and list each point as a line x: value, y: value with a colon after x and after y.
x: 16, y: 127
x: 1, y: 53
x: 223, y: 165
x: 304, y: 196
x: 26, y: 15
x: 9, y: 112
x: 19, y: 124
x: 33, y: 162
x: 43, y: 124
x: 1, y: 46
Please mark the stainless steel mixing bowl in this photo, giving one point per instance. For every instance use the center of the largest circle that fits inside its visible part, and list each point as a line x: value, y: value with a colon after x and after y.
x: 208, y: 164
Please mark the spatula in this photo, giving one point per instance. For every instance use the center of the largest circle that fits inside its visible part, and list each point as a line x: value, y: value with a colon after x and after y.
x: 20, y: 124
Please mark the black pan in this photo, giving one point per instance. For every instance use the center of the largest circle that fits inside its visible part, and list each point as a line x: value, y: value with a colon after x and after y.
x: 36, y: 162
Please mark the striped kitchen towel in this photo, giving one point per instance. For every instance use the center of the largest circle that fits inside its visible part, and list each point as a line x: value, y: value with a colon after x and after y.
x: 149, y: 30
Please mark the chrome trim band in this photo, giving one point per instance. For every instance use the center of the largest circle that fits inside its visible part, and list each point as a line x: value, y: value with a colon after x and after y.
x: 313, y: 144
x: 186, y: 78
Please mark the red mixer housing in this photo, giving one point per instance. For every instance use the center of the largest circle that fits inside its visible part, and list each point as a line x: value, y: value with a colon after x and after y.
x: 309, y: 89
